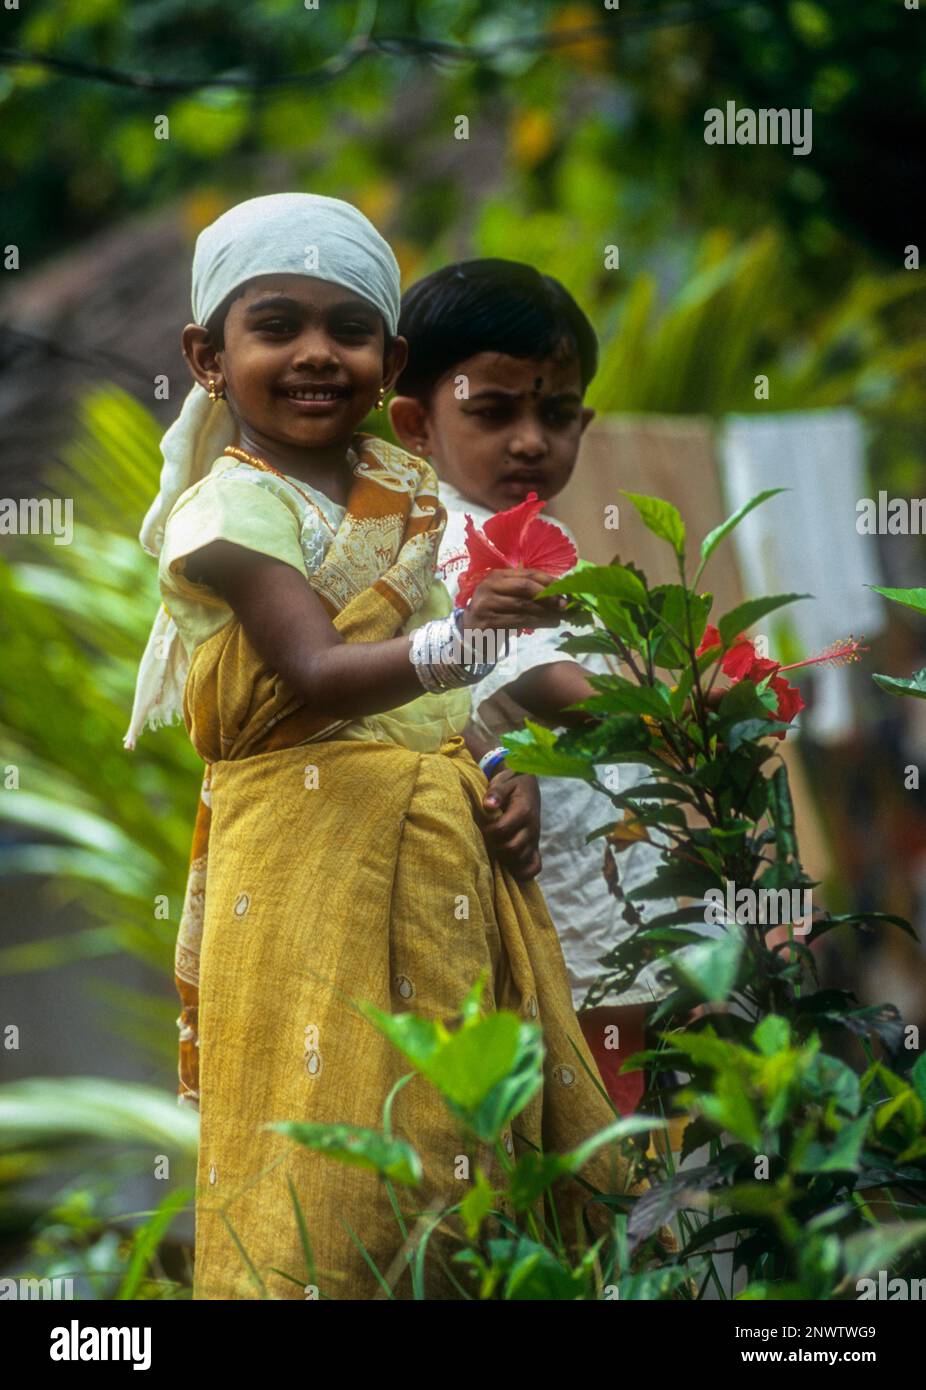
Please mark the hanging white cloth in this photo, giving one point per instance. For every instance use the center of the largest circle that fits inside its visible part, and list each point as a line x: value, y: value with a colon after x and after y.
x: 805, y: 540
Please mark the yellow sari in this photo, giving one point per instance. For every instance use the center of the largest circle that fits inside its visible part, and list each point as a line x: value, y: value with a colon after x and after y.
x: 336, y: 869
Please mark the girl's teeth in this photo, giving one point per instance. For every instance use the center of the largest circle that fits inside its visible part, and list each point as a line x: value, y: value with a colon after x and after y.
x: 312, y: 395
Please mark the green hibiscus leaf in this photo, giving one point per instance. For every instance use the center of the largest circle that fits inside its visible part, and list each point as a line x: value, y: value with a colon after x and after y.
x: 358, y: 1148
x: 841, y: 1154
x: 742, y: 617
x: 606, y: 581
x: 508, y: 1097
x: 870, y: 1251
x: 749, y: 729
x: 621, y: 696
x: 713, y: 538
x: 894, y: 685
x: 474, y: 1059
x: 910, y: 598
x: 661, y: 518
x: 710, y: 967
x: 773, y: 1033
x: 533, y: 749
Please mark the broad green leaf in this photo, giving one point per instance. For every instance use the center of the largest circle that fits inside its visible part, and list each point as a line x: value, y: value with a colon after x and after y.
x: 358, y: 1148
x: 661, y: 518
x: 742, y: 617
x: 582, y: 642
x: 840, y: 1154
x: 907, y: 1107
x: 896, y: 685
x: 652, y: 791
x: 534, y: 1174
x: 508, y: 1097
x: 533, y: 749
x: 679, y: 917
x: 781, y: 810
x: 608, y: 581
x: 734, y: 831
x: 618, y: 738
x: 465, y: 1065
x: 826, y: 924
x: 674, y: 936
x: 670, y: 644
x: 729, y: 1107
x: 761, y: 1198
x: 475, y: 1059
x: 828, y: 1078
x: 710, y: 968
x: 774, y: 1033
x: 418, y: 1038
x: 615, y: 616
x: 621, y: 696
x: 677, y: 879
x: 870, y: 1251
x: 748, y: 729
x: 910, y: 598
x: 705, y: 1049
x: 740, y: 703
x: 713, y: 538
x: 532, y: 1271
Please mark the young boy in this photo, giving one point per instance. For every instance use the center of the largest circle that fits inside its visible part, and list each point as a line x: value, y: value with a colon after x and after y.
x: 500, y: 357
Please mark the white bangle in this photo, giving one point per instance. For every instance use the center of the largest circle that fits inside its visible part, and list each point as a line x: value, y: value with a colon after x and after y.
x: 435, y: 653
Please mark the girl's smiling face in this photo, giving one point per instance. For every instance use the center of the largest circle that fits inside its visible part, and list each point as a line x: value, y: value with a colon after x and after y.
x: 302, y: 361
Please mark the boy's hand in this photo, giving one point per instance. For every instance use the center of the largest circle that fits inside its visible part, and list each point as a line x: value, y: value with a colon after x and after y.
x: 506, y: 599
x: 513, y: 833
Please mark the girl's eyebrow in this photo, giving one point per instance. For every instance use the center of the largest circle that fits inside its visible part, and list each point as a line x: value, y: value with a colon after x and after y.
x: 275, y: 301
x: 282, y: 301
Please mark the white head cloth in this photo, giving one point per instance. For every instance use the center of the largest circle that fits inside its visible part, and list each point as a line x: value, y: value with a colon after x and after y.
x: 280, y: 234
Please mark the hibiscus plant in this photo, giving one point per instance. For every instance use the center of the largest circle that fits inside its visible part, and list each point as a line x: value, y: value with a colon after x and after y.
x: 916, y: 685
x: 805, y: 1110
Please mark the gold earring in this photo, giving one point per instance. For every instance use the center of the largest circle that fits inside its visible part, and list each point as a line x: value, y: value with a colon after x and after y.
x: 213, y: 394
x: 381, y: 398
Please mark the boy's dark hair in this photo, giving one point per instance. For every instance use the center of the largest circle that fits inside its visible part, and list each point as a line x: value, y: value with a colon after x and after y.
x: 489, y: 305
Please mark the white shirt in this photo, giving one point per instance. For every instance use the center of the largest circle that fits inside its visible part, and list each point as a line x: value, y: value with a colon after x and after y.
x: 587, y: 916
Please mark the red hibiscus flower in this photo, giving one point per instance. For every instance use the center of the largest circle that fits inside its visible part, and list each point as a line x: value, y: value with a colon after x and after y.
x: 789, y: 700
x: 741, y: 663
x: 514, y: 539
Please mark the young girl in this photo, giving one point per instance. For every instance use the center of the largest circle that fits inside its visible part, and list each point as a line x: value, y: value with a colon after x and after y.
x: 338, y: 852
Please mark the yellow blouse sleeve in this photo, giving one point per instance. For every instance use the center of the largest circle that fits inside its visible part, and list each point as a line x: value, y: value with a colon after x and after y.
x: 231, y: 510
x: 247, y: 513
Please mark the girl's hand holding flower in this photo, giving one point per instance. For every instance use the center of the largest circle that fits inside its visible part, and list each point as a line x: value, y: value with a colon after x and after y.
x: 506, y: 599
x: 511, y: 559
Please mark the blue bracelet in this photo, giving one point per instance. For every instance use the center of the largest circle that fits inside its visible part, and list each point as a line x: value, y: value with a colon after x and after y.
x: 489, y: 762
